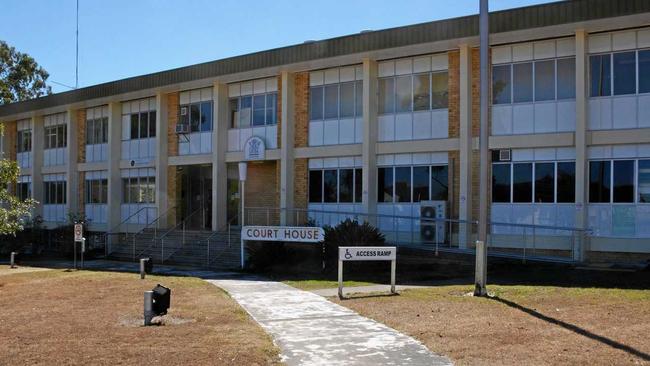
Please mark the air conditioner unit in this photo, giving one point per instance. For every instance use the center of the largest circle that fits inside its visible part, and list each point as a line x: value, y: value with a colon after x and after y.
x: 182, y: 128
x: 432, y: 231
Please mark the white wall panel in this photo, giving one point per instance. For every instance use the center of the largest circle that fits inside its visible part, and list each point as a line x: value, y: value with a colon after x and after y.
x: 331, y: 132
x: 544, y: 49
x: 233, y: 140
x: 502, y: 119
x: 439, y: 123
x: 624, y: 112
x: 544, y: 120
x: 386, y: 127
x: 566, y: 116
x: 346, y: 131
x: 643, y: 111
x: 422, y: 125
x: 522, y: 52
x: 403, y: 126
x: 316, y: 133
x: 600, y: 43
x: 501, y: 55
x: 522, y: 118
x: 624, y: 40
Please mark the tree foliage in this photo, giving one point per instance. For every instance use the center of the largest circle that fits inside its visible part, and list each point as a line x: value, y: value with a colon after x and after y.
x: 21, y: 78
x: 13, y: 211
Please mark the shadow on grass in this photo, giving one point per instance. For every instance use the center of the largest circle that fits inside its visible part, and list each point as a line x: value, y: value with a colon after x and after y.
x: 576, y: 329
x: 366, y: 296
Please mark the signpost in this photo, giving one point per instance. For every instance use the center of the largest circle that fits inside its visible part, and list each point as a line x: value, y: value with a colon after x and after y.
x: 79, y: 238
x: 368, y: 254
x: 305, y: 234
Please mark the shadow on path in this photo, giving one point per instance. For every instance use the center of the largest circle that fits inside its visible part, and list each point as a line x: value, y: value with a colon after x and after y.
x: 574, y: 328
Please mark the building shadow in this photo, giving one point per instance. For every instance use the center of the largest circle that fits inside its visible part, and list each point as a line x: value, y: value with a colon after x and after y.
x: 576, y: 329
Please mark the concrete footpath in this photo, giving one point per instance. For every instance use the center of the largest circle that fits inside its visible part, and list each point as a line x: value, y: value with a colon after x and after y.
x: 310, y: 330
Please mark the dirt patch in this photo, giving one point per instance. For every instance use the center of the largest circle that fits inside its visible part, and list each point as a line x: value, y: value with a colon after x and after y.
x: 532, y: 325
x: 57, y: 317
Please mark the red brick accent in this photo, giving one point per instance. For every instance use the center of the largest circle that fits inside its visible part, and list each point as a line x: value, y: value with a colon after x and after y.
x: 300, y: 183
x: 454, y: 93
x: 81, y: 137
x: 301, y: 110
x: 173, y: 100
x: 81, y: 188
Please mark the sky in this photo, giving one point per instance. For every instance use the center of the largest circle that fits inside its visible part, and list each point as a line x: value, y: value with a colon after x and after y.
x: 125, y: 38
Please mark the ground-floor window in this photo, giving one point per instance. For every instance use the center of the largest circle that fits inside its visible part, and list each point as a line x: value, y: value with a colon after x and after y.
x: 343, y: 185
x: 538, y: 182
x: 96, y: 191
x: 139, y: 190
x: 55, y: 193
x: 412, y: 183
x: 24, y: 190
x: 613, y: 181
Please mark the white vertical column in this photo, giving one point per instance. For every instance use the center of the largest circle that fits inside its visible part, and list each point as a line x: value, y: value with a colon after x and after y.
x: 38, y: 137
x: 465, y: 107
x: 114, y: 156
x: 161, y: 160
x: 581, y: 142
x: 368, y: 146
x: 286, y: 148
x: 72, y: 173
x: 219, y: 148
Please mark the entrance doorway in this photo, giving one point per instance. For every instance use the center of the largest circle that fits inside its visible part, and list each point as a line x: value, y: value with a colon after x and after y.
x: 194, y: 199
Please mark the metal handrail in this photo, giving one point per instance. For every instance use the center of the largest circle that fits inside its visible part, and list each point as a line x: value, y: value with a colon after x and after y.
x: 166, y: 233
x: 125, y: 221
x: 148, y: 225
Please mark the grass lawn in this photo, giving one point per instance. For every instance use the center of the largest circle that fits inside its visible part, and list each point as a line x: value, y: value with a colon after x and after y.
x: 309, y: 285
x: 521, y: 325
x: 85, y: 317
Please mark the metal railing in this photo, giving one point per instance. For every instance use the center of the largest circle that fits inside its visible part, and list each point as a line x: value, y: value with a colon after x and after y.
x: 229, y: 225
x: 115, y: 230
x: 183, y: 226
x: 159, y: 222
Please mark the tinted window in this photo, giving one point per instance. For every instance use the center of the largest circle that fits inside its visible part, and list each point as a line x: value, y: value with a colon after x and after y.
x: 600, y: 77
x: 316, y: 186
x: 195, y: 117
x: 331, y: 101
x: 346, y: 185
x: 644, y: 181
x: 316, y: 103
x: 403, y: 94
x: 439, y: 183
x: 421, y: 92
x: 522, y: 84
x: 420, y: 183
x: 386, y: 95
x: 624, y: 73
x: 259, y: 109
x: 644, y: 71
x: 329, y: 185
x: 522, y: 182
x: 271, y: 108
x: 566, y: 182
x: 347, y: 100
x: 439, y: 86
x: 234, y: 112
x: 545, y: 80
x: 403, y: 184
x: 501, y: 84
x: 152, y: 124
x: 245, y: 111
x: 501, y: 183
x: 358, y: 185
x: 206, y: 116
x: 385, y: 185
x: 544, y: 182
x: 624, y: 181
x: 566, y: 78
x: 599, y: 181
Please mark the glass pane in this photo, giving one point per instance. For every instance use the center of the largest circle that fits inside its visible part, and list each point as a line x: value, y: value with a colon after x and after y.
x: 271, y: 108
x: 346, y: 185
x: 152, y: 124
x: 421, y: 92
x: 599, y: 75
x: 500, y: 182
x: 347, y: 100
x: 644, y: 71
x: 152, y: 189
x: 624, y: 73
x: 144, y: 125
x: 89, y: 132
x: 245, y: 112
x: 624, y: 181
x: 99, y: 130
x: 385, y: 185
x: 544, y: 182
x: 545, y: 80
x: 403, y: 94
x: 358, y: 104
x: 234, y: 112
x: 501, y: 84
x: 522, y: 182
x: 439, y: 183
x: 358, y: 185
x: 195, y: 117
x: 329, y: 186
x: 259, y: 109
x: 125, y: 190
x: 62, y: 136
x: 566, y: 182
x: 403, y: 184
x: 386, y: 95
x: 522, y: 84
x: 104, y: 194
x: 439, y: 92
x: 331, y: 101
x: 206, y: 116
x: 96, y: 191
x: 599, y: 181
x: 316, y: 186
x: 644, y: 181
x: 420, y: 183
x: 566, y: 78
x: 316, y: 103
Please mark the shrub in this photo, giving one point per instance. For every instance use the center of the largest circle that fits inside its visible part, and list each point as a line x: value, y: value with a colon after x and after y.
x: 349, y: 233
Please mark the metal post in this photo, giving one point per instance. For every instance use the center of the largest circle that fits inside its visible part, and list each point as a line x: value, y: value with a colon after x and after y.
x: 393, y: 267
x: 83, y: 250
x: 148, y: 307
x: 162, y: 251
x: 13, y: 260
x: 481, y: 255
x: 74, y: 252
x: 142, y: 271
x: 340, y: 279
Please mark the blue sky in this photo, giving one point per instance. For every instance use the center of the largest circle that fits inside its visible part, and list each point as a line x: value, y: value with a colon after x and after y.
x: 124, y: 38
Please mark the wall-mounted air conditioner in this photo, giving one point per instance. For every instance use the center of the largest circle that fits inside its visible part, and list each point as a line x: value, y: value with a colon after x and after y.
x: 432, y: 231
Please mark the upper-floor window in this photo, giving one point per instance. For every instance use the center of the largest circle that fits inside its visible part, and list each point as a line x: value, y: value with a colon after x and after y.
x: 198, y: 116
x: 538, y: 182
x: 342, y: 185
x: 139, y: 190
x: 254, y: 110
x: 412, y: 183
x: 56, y: 136
x: 542, y: 80
x: 336, y: 101
x: 24, y: 143
x: 96, y: 191
x: 415, y: 92
x: 97, y: 131
x: 143, y: 125
x: 616, y: 73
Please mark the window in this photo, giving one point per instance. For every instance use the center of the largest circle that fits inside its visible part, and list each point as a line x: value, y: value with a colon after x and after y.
x: 96, y: 191
x: 643, y: 185
x: 335, y: 185
x: 143, y: 125
x: 600, y: 75
x: 198, y: 116
x: 413, y: 92
x: 55, y: 193
x: 139, y: 190
x: 56, y: 136
x: 501, y: 183
x: 412, y: 184
x: 624, y: 73
x: 566, y: 78
x: 24, y: 143
x: 501, y: 84
x: 599, y: 181
x: 247, y: 110
x: 545, y: 80
x: 23, y: 190
x: 644, y: 71
x: 544, y: 182
x: 623, y: 181
x: 566, y: 182
x: 522, y: 82
x: 335, y: 101
x: 97, y: 131
x: 522, y: 182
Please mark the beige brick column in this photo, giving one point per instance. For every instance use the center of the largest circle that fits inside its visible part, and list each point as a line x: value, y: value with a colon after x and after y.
x: 286, y: 148
x: 465, y: 135
x: 581, y: 141
x: 114, y: 156
x: 38, y: 137
x: 219, y: 148
x: 368, y: 147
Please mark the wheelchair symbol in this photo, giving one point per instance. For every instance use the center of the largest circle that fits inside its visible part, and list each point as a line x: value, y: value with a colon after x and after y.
x: 348, y: 255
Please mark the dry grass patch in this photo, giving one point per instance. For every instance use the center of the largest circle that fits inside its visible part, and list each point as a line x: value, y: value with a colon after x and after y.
x: 522, y: 325
x: 59, y: 317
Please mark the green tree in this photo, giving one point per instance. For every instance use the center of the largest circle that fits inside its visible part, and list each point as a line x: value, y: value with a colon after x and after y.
x: 13, y: 211
x: 21, y: 78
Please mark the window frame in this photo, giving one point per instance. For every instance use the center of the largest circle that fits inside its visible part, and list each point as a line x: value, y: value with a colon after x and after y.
x: 533, y: 182
x: 412, y: 76
x: 356, y: 112
x: 188, y: 116
x: 357, y: 176
x: 635, y: 180
x: 412, y: 200
x: 270, y: 119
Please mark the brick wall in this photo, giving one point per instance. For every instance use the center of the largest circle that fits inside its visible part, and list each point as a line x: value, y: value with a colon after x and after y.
x: 81, y: 189
x: 81, y: 136
x: 262, y: 188
x: 301, y: 110
x: 300, y: 183
x: 279, y: 119
x: 172, y: 119
x: 454, y: 93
